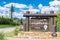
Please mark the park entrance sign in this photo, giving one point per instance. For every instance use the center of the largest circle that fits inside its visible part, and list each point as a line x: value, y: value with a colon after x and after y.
x: 40, y: 22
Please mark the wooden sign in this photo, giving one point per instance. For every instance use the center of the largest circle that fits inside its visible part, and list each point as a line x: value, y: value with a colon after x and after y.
x: 39, y: 24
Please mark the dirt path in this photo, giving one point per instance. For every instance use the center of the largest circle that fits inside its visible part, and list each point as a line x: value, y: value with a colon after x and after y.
x: 7, y: 30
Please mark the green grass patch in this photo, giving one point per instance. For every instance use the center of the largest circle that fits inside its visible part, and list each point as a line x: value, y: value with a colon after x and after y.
x: 2, y: 36
x: 15, y: 32
x: 9, y: 34
x: 6, y: 26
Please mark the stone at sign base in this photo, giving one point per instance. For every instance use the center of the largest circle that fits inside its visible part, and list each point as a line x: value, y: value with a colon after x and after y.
x: 54, y: 34
x: 36, y: 36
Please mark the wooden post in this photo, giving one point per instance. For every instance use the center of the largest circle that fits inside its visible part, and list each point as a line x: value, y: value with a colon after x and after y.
x: 27, y: 23
x: 52, y: 26
x: 51, y: 22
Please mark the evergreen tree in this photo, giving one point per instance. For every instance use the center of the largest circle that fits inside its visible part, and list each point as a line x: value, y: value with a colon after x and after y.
x: 21, y: 21
x: 11, y: 10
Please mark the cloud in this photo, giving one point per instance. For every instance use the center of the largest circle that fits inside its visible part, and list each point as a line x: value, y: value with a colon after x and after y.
x: 54, y: 3
x: 8, y: 5
x: 47, y: 9
x: 15, y: 14
x: 32, y: 11
x: 5, y: 10
x: 54, y: 6
x: 4, y: 15
x: 30, y: 6
x: 16, y: 5
x: 40, y: 6
x: 20, y: 5
x: 2, y: 8
x: 18, y: 15
x: 55, y: 0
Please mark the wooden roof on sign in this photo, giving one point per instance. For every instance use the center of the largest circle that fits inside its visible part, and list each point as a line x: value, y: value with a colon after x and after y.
x: 40, y: 15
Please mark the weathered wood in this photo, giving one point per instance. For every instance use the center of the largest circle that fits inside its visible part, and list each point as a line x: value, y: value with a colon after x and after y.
x: 40, y: 18
x: 49, y: 17
x: 27, y: 24
x: 39, y: 15
x: 38, y: 23
x: 51, y: 24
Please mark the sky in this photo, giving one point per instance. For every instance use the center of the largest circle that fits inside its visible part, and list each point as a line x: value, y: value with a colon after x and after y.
x: 21, y: 6
x: 27, y: 2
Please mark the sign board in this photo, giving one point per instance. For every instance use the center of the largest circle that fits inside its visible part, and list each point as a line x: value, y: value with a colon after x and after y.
x: 39, y: 24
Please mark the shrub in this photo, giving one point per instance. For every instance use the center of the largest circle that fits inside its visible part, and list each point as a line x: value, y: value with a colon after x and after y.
x: 9, y: 21
x: 58, y: 21
x: 5, y: 21
x: 15, y: 22
x: 17, y: 30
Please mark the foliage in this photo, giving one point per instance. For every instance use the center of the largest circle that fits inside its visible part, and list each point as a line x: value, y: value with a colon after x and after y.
x: 15, y: 22
x: 21, y: 21
x: 2, y: 36
x: 5, y: 21
x: 8, y: 21
x: 9, y: 34
x: 14, y: 33
x: 17, y: 30
x: 6, y: 26
x: 58, y: 21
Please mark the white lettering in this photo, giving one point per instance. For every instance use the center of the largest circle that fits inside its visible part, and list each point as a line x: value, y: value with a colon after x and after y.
x: 40, y: 23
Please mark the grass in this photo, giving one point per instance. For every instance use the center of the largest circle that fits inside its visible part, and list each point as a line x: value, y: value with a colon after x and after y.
x: 2, y: 36
x: 9, y: 34
x: 18, y: 29
x: 6, y: 26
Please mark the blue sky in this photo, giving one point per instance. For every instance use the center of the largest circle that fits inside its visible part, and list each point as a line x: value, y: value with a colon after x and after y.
x: 27, y: 2
x: 21, y: 6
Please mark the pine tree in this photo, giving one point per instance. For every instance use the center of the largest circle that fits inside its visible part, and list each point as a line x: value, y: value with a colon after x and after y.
x: 11, y: 10
x: 21, y: 21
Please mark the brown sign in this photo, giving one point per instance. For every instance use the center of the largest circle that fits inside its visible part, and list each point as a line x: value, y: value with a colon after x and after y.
x: 39, y: 24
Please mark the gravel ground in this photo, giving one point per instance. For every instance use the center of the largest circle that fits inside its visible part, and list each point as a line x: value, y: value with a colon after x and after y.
x: 9, y: 38
x: 7, y: 30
